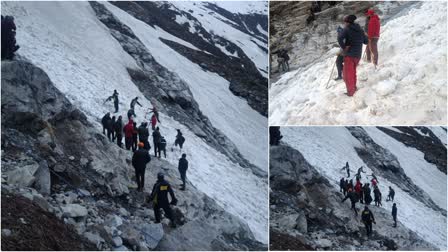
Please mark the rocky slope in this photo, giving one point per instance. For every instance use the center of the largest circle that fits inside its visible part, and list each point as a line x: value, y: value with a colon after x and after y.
x: 53, y: 156
x: 307, y: 213
x: 306, y: 169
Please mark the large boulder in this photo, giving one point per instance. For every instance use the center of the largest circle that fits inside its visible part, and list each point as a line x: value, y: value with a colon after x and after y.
x: 74, y: 210
x: 23, y: 176
x: 42, y: 181
x: 152, y: 233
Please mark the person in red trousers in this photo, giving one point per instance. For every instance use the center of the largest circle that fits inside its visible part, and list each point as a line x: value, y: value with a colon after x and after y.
x: 351, y: 40
x: 373, y: 34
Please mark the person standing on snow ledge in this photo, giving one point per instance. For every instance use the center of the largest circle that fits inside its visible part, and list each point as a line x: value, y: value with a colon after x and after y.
x: 373, y: 33
x: 351, y: 40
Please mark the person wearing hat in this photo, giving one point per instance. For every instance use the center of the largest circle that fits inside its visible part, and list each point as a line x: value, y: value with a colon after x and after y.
x: 159, y: 198
x: 140, y: 159
x: 373, y: 34
x: 351, y: 40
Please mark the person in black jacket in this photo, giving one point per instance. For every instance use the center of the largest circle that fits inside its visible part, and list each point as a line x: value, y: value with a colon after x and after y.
x: 342, y: 185
x: 183, y: 167
x: 156, y: 140
x: 351, y: 40
x: 159, y: 197
x: 377, y: 196
x: 134, y: 137
x: 367, y: 196
x: 180, y: 139
x: 110, y: 129
x: 391, y: 194
x: 139, y: 160
x: 340, y: 58
x: 105, y: 122
x: 162, y: 147
x: 118, y: 127
x: 114, y: 97
x: 131, y: 114
x: 133, y: 102
x: 394, y: 214
x: 353, y: 196
x: 143, y: 135
x: 367, y: 218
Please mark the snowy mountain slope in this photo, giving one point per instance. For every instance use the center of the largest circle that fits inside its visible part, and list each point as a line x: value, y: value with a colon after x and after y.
x: 424, y: 174
x: 218, y: 53
x: 255, y: 48
x: 328, y: 148
x: 412, y: 71
x: 86, y: 63
x: 231, y: 114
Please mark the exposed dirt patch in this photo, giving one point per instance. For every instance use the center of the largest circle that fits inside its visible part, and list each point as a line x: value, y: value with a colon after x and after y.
x: 41, y: 231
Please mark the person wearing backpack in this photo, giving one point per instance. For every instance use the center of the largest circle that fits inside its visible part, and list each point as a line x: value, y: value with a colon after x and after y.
x: 162, y: 147
x: 368, y: 218
x: 159, y: 198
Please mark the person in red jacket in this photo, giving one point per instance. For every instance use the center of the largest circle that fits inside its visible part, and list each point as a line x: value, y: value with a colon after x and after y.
x: 153, y: 121
x: 128, y: 134
x: 373, y: 34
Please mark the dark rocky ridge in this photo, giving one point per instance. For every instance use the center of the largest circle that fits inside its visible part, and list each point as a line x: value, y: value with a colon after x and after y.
x: 244, y: 77
x: 430, y: 145
x: 306, y: 212
x: 173, y: 94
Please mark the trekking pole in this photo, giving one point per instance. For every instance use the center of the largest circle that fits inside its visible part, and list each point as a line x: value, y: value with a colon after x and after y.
x: 329, y: 78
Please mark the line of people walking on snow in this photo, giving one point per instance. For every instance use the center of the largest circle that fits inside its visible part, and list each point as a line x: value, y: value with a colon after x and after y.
x: 351, y: 39
x: 360, y: 192
x: 137, y: 140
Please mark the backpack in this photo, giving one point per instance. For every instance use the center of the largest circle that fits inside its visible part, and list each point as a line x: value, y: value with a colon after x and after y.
x: 366, y: 216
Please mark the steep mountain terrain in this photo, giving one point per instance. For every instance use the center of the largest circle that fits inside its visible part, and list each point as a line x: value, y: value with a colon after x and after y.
x: 207, y: 81
x: 305, y: 200
x: 411, y: 69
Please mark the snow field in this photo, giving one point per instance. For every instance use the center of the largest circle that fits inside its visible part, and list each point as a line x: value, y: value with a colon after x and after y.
x: 409, y: 87
x: 425, y: 175
x: 231, y: 114
x: 328, y: 148
x: 86, y: 63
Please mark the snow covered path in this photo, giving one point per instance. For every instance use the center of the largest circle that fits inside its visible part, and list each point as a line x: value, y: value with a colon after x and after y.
x: 328, y: 148
x: 86, y: 63
x: 409, y: 88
